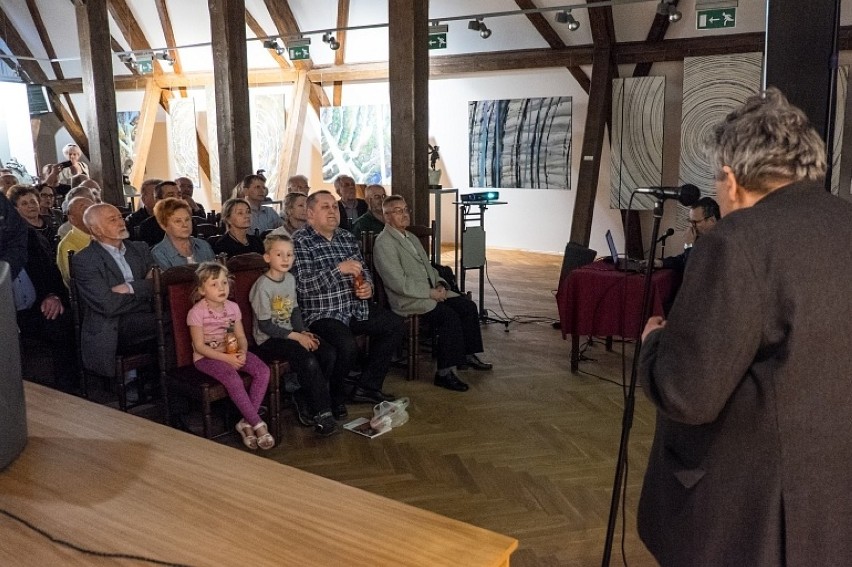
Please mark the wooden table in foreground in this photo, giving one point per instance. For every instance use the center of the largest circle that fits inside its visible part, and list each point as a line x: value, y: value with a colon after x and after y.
x: 109, y: 481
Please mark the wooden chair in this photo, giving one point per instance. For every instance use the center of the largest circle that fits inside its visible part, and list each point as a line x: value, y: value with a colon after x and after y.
x: 206, y: 231
x: 128, y: 357
x: 173, y: 288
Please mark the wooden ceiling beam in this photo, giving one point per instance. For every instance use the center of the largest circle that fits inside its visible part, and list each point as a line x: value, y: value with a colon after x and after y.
x: 340, y: 54
x: 287, y: 26
x: 624, y: 53
x: 17, y: 46
x: 553, y: 39
x: 657, y: 32
x: 130, y: 29
x: 171, y: 43
x: 258, y: 31
x: 51, y: 53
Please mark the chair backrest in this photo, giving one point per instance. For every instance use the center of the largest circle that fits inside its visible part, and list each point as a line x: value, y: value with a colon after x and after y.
x: 205, y: 230
x: 245, y: 269
x: 173, y: 289
x: 424, y: 235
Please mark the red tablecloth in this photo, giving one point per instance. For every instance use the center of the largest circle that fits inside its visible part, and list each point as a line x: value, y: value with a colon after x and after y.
x: 599, y: 300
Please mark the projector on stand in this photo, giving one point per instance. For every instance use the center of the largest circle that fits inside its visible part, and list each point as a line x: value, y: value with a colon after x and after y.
x: 482, y: 197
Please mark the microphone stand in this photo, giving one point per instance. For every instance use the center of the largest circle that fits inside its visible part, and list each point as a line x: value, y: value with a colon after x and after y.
x: 630, y: 400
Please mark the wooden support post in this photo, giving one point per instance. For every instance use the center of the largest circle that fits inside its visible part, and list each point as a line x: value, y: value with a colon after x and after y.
x: 600, y: 107
x: 409, y: 96
x: 145, y: 131
x: 233, y: 126
x: 287, y: 165
x: 102, y: 125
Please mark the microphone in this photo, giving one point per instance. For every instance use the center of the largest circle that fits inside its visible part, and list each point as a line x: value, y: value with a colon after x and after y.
x: 686, y: 195
x: 665, y: 235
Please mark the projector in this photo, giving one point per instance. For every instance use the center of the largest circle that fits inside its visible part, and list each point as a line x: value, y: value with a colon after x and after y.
x: 480, y: 197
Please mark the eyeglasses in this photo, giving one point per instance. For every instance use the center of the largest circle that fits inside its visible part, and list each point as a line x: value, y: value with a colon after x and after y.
x: 51, y: 195
x: 399, y: 210
x: 694, y: 223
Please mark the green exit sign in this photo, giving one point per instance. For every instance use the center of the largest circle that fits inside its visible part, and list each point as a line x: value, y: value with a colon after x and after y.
x: 721, y: 18
x: 145, y: 66
x: 438, y: 41
x: 299, y: 53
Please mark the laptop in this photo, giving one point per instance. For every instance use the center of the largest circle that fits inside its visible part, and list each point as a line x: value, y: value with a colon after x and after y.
x: 626, y: 264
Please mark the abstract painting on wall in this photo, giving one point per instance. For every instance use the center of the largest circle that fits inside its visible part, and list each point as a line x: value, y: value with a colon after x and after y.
x: 267, y: 132
x: 637, y: 140
x: 183, y: 138
x: 520, y: 143
x: 127, y: 123
x: 356, y: 141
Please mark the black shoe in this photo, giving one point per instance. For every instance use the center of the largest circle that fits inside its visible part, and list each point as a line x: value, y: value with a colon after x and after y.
x: 472, y: 361
x: 325, y: 424
x: 366, y: 396
x: 339, y: 411
x: 450, y: 382
x: 303, y: 409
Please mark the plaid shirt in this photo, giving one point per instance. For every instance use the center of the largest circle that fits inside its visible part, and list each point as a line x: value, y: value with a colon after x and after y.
x: 323, y: 292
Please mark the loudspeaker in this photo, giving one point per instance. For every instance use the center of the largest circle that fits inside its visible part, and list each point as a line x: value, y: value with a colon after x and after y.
x: 13, y: 416
x: 576, y: 255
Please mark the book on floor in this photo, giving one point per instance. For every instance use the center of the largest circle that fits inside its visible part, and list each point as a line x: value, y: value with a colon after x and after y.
x: 362, y: 426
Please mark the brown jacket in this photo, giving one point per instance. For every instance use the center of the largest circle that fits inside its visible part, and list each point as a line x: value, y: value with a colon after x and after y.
x: 752, y: 378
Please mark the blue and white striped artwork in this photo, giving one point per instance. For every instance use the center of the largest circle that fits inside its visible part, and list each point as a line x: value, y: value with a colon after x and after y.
x: 521, y: 143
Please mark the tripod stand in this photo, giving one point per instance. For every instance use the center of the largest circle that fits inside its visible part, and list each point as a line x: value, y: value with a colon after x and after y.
x: 473, y: 251
x: 630, y: 400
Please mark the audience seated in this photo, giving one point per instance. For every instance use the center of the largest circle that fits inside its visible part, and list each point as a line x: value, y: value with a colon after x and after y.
x: 7, y: 181
x: 46, y: 203
x: 236, y: 215
x: 333, y: 288
x: 148, y: 196
x: 13, y: 236
x: 414, y: 287
x: 150, y: 230
x: 262, y: 218
x: 295, y: 214
x: 374, y: 219
x: 26, y: 201
x: 349, y: 205
x: 298, y: 184
x: 77, y: 238
x: 65, y: 227
x: 42, y: 305
x: 186, y: 189
x: 115, y: 289
x: 178, y: 247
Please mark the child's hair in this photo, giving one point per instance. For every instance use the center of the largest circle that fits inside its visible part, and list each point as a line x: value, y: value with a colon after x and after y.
x: 204, y: 272
x: 272, y: 238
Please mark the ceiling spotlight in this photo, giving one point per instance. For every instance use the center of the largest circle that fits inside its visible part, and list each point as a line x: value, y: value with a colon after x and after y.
x: 666, y: 8
x: 479, y: 25
x: 274, y: 45
x: 565, y: 17
x: 164, y: 56
x: 333, y: 44
x: 674, y: 14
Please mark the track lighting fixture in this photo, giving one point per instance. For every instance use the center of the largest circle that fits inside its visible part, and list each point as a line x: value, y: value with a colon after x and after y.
x: 565, y: 17
x: 479, y: 25
x: 274, y: 45
x: 333, y: 44
x: 666, y: 8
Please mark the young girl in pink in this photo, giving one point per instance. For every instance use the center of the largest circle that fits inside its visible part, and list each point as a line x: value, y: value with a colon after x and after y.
x: 215, y: 324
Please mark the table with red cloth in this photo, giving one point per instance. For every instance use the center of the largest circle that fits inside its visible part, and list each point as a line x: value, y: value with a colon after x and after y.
x: 599, y: 300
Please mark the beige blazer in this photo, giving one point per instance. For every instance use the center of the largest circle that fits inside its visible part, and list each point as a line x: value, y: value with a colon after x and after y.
x: 406, y: 272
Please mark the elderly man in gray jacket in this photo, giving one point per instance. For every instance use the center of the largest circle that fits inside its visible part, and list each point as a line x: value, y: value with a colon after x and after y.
x: 414, y: 287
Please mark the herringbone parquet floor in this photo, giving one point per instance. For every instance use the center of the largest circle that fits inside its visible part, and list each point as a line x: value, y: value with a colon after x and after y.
x: 528, y: 451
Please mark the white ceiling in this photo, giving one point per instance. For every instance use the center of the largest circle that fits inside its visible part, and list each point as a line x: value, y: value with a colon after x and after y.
x: 191, y: 23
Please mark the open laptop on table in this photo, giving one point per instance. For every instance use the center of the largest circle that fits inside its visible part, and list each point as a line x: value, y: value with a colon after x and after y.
x: 626, y: 264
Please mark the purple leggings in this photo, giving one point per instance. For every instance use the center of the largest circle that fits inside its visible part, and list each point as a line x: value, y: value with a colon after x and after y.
x: 247, y: 402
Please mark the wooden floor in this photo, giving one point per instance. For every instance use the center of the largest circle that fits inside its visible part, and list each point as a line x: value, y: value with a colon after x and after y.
x: 529, y: 451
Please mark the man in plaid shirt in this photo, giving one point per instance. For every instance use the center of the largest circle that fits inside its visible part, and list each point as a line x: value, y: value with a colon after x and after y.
x: 334, y: 287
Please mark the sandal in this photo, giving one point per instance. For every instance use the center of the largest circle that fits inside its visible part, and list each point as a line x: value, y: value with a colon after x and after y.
x: 265, y: 441
x: 247, y: 433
